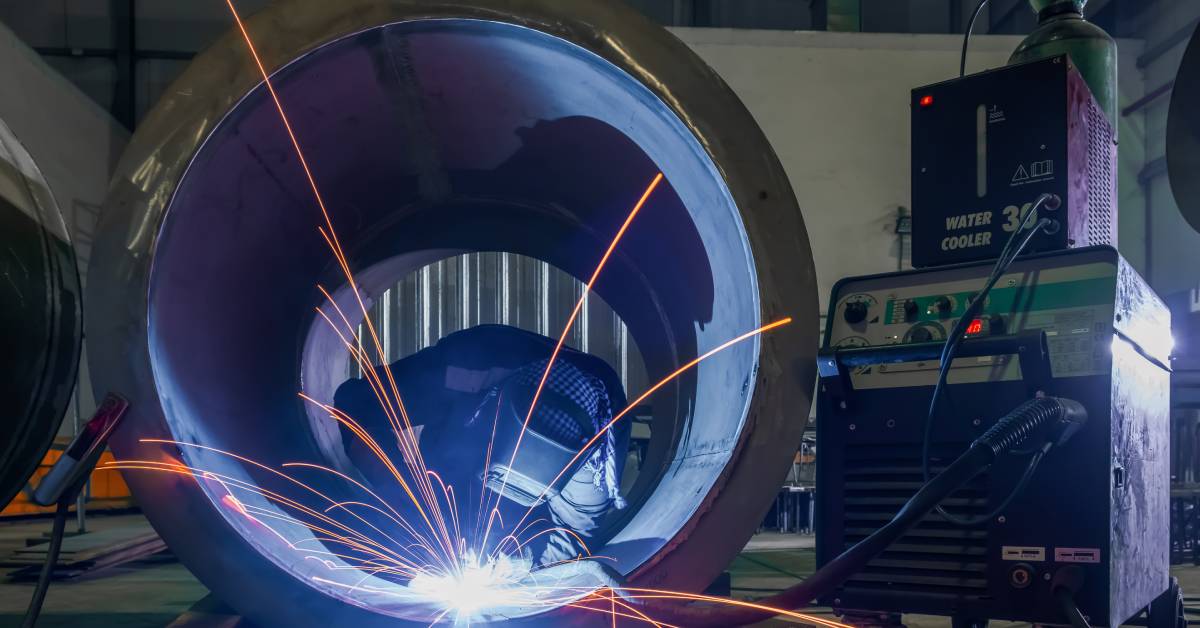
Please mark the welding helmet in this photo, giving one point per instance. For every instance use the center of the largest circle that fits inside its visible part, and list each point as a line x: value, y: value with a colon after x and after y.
x: 558, y: 429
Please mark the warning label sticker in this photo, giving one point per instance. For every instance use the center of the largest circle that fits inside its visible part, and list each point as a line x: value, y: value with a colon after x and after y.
x: 1020, y: 553
x: 1036, y: 172
x: 1076, y: 555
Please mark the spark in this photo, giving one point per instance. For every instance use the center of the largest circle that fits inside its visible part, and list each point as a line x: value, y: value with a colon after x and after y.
x: 562, y: 338
x: 442, y: 571
x: 328, y: 232
x: 661, y: 594
x: 650, y: 391
x: 463, y: 587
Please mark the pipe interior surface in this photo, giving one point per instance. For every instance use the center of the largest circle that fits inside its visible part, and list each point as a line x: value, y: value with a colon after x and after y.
x: 429, y: 133
x: 461, y: 135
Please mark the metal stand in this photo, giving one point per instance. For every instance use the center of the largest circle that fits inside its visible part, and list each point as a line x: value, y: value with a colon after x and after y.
x: 56, y: 539
x: 872, y: 619
x: 1168, y: 611
x: 81, y: 500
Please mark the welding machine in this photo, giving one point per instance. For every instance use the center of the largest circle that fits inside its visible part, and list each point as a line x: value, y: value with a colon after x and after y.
x: 984, y: 147
x: 1093, y: 517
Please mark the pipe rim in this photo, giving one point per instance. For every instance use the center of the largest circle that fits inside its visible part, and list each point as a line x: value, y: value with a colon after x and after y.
x: 750, y: 170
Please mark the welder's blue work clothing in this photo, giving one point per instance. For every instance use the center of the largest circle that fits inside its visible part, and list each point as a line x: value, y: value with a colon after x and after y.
x: 449, y: 392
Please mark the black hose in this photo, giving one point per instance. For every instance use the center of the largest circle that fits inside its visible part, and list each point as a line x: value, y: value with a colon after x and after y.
x: 1044, y: 408
x: 1016, y: 242
x: 1019, y: 424
x: 1010, y: 430
x: 834, y: 573
x: 1030, y: 468
x: 1042, y: 411
x: 1066, y: 603
x: 43, y: 583
x: 962, y: 63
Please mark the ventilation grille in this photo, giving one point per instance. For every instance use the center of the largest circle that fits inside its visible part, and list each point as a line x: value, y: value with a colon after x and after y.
x: 935, y: 557
x: 1101, y: 176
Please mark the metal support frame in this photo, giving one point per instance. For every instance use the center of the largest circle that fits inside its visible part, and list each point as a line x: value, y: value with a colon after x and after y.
x: 1149, y: 98
x: 1164, y: 46
x: 996, y: 25
x: 820, y: 14
x: 1152, y: 170
x: 111, y: 53
x: 124, y: 42
x: 125, y: 56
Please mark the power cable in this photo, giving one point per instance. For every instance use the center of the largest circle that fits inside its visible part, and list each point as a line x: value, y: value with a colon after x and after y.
x: 962, y: 64
x: 43, y: 583
x: 1013, y: 247
x: 1066, y: 603
x: 1063, y: 415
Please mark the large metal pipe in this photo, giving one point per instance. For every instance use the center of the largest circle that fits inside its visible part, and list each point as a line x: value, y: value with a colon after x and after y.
x: 435, y: 128
x: 51, y: 185
x: 40, y: 321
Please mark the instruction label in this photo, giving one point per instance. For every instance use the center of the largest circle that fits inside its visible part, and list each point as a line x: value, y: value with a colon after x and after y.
x: 1076, y: 555
x: 1022, y: 553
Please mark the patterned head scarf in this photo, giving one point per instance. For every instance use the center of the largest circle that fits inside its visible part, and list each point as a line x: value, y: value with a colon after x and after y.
x: 553, y: 422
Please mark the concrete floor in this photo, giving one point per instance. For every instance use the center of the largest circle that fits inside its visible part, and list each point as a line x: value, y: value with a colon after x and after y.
x: 146, y: 593
x: 154, y: 592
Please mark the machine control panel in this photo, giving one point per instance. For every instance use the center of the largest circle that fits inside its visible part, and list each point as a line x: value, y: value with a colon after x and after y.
x: 1072, y: 302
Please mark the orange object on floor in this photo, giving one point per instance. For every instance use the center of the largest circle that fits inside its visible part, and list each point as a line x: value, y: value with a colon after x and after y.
x: 108, y: 490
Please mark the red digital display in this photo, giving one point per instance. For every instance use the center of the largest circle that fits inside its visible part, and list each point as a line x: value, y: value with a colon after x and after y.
x: 975, y: 327
x: 926, y: 100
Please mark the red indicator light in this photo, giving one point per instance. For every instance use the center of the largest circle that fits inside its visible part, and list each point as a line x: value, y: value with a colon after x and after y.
x: 975, y: 327
x: 926, y: 100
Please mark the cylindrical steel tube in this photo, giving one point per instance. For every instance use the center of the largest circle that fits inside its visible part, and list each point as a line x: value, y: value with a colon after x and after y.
x: 40, y: 323
x: 432, y: 129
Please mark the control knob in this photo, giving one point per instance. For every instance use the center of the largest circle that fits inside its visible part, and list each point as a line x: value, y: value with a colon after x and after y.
x: 943, y: 306
x: 921, y: 334
x: 855, y: 312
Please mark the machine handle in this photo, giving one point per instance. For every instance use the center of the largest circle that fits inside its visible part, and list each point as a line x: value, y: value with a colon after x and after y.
x: 1030, y: 347
x: 1018, y: 343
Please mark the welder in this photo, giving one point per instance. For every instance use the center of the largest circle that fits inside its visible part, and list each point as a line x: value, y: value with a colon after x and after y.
x: 467, y: 398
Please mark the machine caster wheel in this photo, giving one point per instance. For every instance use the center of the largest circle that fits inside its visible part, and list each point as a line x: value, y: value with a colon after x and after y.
x: 1167, y: 610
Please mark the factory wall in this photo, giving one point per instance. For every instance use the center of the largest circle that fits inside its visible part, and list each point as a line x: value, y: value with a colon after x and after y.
x: 835, y: 105
x: 836, y: 108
